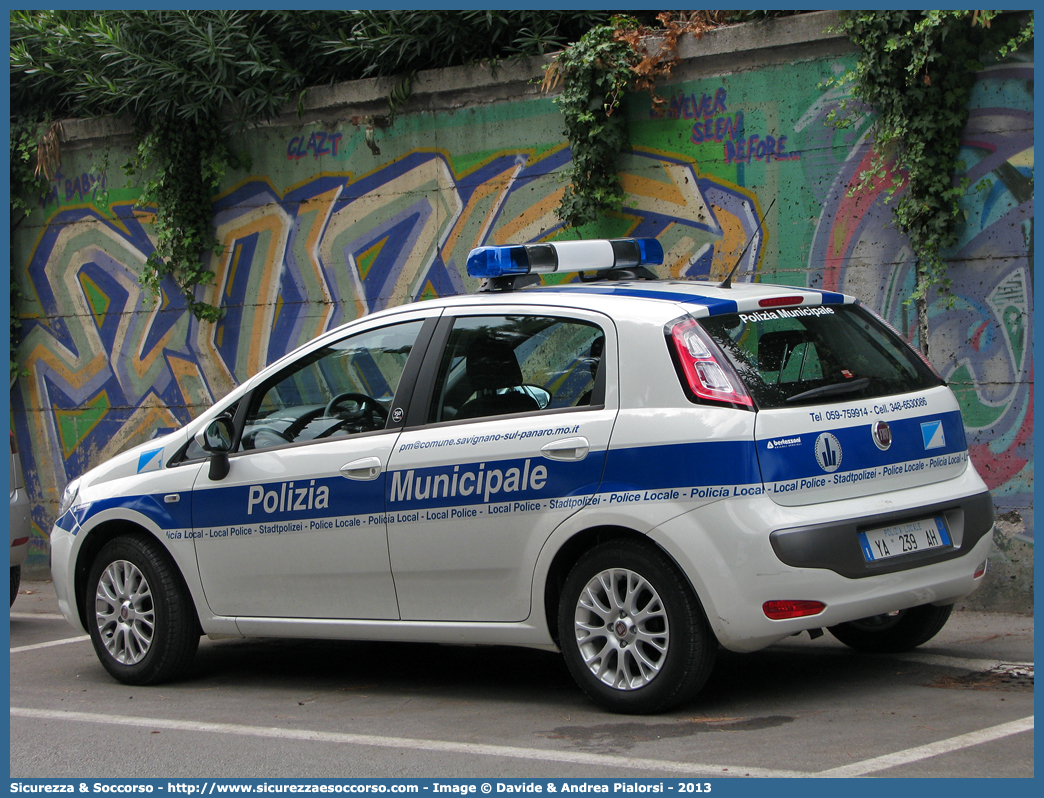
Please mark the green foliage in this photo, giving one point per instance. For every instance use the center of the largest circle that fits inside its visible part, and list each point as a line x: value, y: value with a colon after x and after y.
x: 184, y: 165
x: 28, y: 186
x: 377, y: 43
x: 180, y: 75
x: 628, y: 54
x: 174, y: 74
x: 595, y: 73
x: 145, y: 65
x: 251, y: 63
x: 16, y: 325
x: 916, y: 70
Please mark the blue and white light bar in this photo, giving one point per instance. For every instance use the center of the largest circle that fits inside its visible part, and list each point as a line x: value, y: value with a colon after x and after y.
x: 564, y: 256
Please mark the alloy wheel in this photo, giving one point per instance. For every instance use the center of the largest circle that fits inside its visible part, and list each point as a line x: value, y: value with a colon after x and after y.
x: 124, y: 612
x: 621, y: 629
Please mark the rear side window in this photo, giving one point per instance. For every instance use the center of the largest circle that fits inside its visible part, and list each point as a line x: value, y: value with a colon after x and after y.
x: 495, y: 365
x: 803, y: 355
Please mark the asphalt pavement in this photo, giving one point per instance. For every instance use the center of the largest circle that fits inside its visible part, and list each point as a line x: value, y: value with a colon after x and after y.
x: 959, y: 706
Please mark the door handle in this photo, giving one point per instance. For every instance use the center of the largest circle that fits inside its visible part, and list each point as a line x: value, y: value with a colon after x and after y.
x: 363, y: 470
x: 570, y: 449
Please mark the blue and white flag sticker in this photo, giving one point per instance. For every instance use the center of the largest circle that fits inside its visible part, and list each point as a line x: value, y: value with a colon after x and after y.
x: 933, y: 435
x: 150, y: 461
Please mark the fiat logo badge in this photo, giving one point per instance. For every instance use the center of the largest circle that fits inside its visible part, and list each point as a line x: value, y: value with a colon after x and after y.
x: 882, y: 434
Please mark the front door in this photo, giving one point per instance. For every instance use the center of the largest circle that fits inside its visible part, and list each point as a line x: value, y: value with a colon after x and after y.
x: 296, y: 529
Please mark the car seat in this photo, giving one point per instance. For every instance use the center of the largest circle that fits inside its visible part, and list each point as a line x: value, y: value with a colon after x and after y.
x: 491, y: 367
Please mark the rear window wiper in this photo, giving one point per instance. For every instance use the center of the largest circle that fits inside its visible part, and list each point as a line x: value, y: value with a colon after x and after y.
x: 830, y: 390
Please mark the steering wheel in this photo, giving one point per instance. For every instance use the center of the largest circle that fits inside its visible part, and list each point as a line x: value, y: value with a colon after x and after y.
x: 269, y: 436
x: 368, y: 406
x: 303, y: 421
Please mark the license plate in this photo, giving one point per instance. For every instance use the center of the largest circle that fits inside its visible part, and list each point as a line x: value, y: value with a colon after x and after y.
x: 906, y: 538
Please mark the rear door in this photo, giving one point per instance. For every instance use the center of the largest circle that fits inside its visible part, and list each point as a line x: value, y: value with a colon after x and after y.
x: 511, y: 442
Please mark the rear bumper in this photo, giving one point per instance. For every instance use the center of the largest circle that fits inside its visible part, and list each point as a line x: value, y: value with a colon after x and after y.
x: 727, y: 550
x: 835, y: 546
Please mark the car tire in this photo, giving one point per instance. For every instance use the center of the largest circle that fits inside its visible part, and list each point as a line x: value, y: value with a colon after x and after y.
x: 141, y: 619
x: 632, y: 631
x: 893, y: 632
x: 16, y: 580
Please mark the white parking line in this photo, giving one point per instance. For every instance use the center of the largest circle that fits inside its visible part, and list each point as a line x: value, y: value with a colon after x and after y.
x: 538, y: 754
x: 62, y: 642
x: 930, y: 750
x: 440, y: 746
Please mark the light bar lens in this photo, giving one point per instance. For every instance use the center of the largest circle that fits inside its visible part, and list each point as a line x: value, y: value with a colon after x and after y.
x: 498, y: 261
x: 649, y: 251
x: 563, y: 256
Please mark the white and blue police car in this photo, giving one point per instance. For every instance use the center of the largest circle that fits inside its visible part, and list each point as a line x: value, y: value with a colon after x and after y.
x: 631, y: 471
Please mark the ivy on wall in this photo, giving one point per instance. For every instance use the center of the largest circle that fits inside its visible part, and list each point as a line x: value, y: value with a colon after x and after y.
x: 184, y: 79
x: 34, y: 157
x: 915, y: 71
x: 595, y: 74
x: 183, y: 166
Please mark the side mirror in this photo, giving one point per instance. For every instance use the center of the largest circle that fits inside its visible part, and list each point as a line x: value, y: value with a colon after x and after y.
x: 216, y: 439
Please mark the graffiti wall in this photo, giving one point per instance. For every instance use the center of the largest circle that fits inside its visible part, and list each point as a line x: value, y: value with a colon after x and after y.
x: 324, y: 229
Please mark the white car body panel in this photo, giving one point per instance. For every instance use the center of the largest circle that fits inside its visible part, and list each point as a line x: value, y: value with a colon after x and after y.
x: 21, y: 522
x: 474, y: 561
x: 326, y: 562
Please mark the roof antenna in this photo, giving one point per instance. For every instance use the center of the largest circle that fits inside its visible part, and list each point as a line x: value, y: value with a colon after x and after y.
x: 727, y: 282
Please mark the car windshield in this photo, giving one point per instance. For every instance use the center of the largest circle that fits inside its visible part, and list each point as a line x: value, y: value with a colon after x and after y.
x: 792, y: 356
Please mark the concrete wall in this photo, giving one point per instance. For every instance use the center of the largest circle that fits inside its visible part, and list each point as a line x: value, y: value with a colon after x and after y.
x: 327, y: 226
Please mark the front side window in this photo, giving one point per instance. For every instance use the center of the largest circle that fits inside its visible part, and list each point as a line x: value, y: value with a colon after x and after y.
x: 792, y: 356
x: 495, y: 365
x: 341, y: 389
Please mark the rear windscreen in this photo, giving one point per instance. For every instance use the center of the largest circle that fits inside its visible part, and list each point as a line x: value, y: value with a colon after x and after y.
x: 793, y: 356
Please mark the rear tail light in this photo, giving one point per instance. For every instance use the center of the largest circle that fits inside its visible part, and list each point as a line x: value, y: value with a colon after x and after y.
x: 706, y: 372
x: 781, y: 610
x: 981, y: 569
